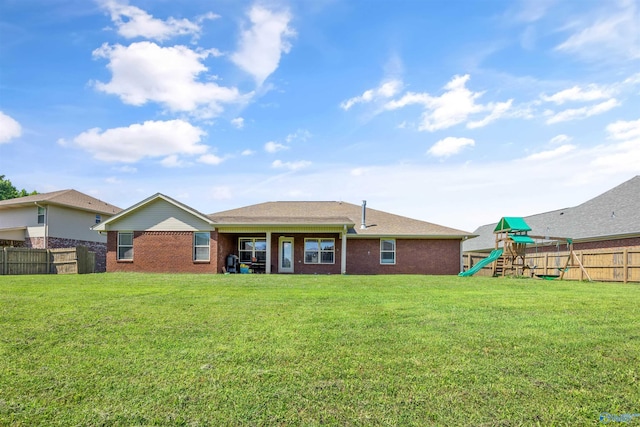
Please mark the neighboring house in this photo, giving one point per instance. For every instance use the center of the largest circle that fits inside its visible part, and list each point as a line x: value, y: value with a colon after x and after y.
x: 610, y: 220
x: 160, y: 234
x: 60, y: 219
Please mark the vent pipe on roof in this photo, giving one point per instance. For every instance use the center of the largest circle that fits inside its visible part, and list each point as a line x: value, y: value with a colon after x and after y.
x: 363, y: 225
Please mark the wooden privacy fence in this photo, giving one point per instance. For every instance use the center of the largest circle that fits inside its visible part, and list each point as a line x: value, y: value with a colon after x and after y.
x: 612, y: 265
x: 78, y: 260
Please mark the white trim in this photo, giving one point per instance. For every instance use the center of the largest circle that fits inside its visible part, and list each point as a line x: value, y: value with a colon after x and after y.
x: 282, y: 240
x: 394, y: 251
x: 267, y: 266
x: 118, y: 245
x: 343, y: 255
x: 320, y: 251
x: 208, y: 246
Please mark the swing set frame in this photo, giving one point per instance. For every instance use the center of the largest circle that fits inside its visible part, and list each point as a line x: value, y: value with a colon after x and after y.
x: 572, y: 259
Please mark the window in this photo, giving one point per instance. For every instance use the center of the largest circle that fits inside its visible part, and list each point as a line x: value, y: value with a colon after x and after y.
x: 252, y: 247
x: 125, y: 245
x: 41, y: 213
x: 201, y: 246
x: 387, y: 251
x: 98, y: 218
x: 319, y: 251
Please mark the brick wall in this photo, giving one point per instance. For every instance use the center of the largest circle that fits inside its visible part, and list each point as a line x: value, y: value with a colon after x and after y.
x: 161, y: 252
x: 413, y: 256
x: 99, y: 248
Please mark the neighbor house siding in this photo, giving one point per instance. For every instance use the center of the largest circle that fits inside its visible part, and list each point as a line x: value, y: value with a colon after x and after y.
x: 73, y: 224
x: 413, y: 256
x: 160, y: 215
x: 161, y: 252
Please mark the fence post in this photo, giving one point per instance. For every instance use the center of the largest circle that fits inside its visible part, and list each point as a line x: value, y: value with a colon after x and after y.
x: 625, y: 264
x: 3, y: 267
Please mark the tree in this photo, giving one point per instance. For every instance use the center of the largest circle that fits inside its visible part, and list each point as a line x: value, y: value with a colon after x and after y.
x: 8, y: 191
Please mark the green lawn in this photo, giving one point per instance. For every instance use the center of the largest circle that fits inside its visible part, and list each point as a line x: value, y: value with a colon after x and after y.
x: 191, y: 350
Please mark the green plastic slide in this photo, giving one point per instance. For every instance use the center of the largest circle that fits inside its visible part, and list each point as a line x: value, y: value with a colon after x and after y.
x: 494, y: 255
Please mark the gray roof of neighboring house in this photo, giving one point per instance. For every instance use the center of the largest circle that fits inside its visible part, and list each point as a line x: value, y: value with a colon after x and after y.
x: 613, y: 213
x: 68, y: 198
x: 378, y: 223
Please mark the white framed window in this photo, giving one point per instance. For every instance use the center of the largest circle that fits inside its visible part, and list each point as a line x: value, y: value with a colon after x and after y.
x: 387, y: 251
x: 125, y: 245
x: 319, y: 251
x: 201, y: 245
x: 98, y: 218
x: 41, y: 214
x: 250, y: 248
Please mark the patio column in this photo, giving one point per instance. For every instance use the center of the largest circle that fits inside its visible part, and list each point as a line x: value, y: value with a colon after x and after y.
x: 343, y: 255
x: 267, y: 264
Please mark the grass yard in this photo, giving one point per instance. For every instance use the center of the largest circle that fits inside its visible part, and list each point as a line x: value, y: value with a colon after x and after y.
x: 199, y: 350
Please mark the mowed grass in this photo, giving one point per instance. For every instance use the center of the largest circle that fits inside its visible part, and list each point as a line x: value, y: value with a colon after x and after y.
x: 201, y: 350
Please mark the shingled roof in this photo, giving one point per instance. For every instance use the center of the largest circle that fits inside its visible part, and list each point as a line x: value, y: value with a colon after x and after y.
x: 378, y: 223
x: 613, y: 214
x: 68, y: 198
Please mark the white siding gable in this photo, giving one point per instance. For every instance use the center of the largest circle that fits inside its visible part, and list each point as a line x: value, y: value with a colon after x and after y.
x: 160, y: 215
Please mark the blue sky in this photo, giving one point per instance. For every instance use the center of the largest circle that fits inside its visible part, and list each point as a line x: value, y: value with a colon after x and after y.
x: 453, y: 112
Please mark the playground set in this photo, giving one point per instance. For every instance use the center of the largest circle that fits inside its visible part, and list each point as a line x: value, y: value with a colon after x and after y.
x: 509, y: 256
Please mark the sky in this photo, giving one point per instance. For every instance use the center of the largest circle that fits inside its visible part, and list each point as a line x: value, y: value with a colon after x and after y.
x: 454, y: 112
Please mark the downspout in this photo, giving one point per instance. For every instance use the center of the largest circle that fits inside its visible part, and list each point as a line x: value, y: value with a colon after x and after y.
x: 46, y: 225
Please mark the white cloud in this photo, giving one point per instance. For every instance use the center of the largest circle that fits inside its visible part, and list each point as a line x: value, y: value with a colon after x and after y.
x: 126, y: 169
x: 222, y: 192
x: 9, y: 128
x: 274, y: 147
x: 173, y: 161
x: 262, y: 45
x: 210, y: 159
x: 386, y: 90
x: 449, y: 146
x: 611, y: 33
x: 559, y: 139
x: 247, y: 152
x: 134, y: 22
x: 576, y: 93
x: 113, y: 180
x: 300, y: 164
x: 584, y: 112
x: 238, y: 122
x: 144, y: 71
x: 550, y: 154
x: 624, y: 130
x: 358, y: 171
x: 147, y: 140
x: 299, y: 135
x: 498, y: 110
x: 453, y: 107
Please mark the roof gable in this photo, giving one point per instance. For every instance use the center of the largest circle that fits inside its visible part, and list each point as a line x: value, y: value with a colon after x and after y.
x: 157, y: 213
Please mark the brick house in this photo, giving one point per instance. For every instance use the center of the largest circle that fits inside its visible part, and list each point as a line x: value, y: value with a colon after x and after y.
x: 61, y: 219
x: 160, y: 234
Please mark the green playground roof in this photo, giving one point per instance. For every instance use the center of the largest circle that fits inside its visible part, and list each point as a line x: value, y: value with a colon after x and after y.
x: 511, y: 223
x: 518, y: 238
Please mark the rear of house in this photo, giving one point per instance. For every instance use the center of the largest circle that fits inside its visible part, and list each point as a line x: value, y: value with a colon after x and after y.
x: 161, y: 234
